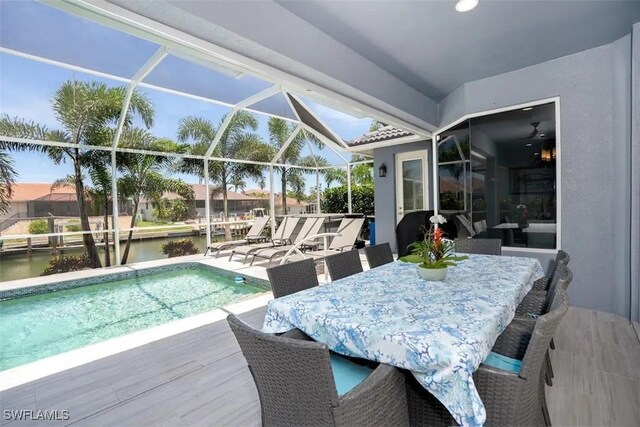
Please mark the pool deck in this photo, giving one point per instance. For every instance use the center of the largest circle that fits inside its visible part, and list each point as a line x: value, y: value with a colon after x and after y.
x: 193, y: 373
x: 199, y: 377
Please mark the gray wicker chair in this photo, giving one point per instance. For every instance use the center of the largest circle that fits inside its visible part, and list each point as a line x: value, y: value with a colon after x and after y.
x: 543, y: 284
x: 509, y: 398
x: 344, y: 264
x: 296, y: 386
x: 294, y: 277
x: 378, y: 255
x: 479, y: 246
x: 536, y: 303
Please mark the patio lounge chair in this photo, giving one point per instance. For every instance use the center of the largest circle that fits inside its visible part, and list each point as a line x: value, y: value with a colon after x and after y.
x: 509, y: 381
x: 348, y: 232
x: 253, y: 236
x: 300, y: 383
x: 293, y: 277
x: 282, y: 236
x: 311, y: 227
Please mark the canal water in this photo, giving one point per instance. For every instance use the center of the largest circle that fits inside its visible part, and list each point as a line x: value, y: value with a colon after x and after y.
x: 21, y: 266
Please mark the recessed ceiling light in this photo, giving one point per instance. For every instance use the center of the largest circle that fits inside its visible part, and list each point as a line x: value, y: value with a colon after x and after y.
x: 542, y: 134
x: 529, y: 144
x: 466, y: 5
x: 535, y: 154
x: 527, y: 109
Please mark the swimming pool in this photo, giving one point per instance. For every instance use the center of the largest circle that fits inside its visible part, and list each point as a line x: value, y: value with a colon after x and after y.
x: 96, y: 309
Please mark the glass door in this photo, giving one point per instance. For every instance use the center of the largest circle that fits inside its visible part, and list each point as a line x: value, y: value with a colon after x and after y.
x: 411, y: 183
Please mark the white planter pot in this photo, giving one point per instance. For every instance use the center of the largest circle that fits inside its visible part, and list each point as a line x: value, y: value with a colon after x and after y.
x: 433, y: 274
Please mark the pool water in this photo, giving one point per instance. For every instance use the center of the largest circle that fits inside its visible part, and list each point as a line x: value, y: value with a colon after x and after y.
x: 39, y: 326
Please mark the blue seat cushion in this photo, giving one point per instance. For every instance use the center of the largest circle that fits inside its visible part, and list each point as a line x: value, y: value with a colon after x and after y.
x: 503, y: 362
x: 347, y: 374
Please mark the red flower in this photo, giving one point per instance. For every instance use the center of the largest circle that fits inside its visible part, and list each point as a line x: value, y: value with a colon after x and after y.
x: 437, y: 238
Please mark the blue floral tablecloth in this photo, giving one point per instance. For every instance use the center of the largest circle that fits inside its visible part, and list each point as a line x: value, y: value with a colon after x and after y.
x: 441, y: 331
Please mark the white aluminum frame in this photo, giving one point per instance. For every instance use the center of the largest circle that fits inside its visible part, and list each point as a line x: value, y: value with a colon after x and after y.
x: 173, y: 43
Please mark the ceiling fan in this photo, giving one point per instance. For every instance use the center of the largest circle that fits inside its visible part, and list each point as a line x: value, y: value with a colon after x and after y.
x: 535, y: 130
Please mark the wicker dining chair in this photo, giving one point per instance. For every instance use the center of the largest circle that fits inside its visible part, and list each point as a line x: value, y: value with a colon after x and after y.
x: 543, y: 283
x: 378, y: 255
x: 294, y: 277
x: 479, y: 246
x: 297, y: 383
x: 536, y: 302
x: 344, y: 264
x: 510, y: 397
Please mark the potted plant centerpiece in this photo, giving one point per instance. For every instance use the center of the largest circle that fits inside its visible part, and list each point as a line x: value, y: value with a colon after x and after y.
x: 433, y: 254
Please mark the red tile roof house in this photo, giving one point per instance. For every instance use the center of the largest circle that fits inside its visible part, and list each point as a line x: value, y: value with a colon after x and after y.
x: 37, y: 200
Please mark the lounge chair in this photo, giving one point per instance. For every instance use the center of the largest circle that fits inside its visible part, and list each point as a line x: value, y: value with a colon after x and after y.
x: 282, y: 236
x: 311, y: 227
x: 348, y: 232
x: 253, y: 236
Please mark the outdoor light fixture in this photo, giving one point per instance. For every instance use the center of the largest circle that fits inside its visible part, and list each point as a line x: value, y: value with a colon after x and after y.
x: 382, y: 170
x: 466, y: 5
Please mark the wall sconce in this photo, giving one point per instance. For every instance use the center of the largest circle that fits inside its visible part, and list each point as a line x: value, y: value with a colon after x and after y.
x: 382, y: 170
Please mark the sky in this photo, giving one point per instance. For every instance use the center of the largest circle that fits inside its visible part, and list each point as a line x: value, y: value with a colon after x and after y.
x: 27, y: 87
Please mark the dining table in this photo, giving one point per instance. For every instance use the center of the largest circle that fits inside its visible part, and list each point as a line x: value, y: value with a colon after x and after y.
x: 441, y: 331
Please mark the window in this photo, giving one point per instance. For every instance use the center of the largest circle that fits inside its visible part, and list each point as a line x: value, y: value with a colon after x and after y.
x: 500, y: 172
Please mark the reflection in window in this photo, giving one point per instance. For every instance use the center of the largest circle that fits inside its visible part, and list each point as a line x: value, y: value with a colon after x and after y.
x: 498, y: 173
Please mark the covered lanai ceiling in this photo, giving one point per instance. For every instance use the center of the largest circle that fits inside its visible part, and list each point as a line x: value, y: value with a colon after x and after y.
x: 404, y: 46
x: 435, y: 49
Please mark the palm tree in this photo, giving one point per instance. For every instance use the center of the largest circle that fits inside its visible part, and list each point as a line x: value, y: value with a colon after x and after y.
x: 280, y: 130
x: 237, y: 183
x: 361, y: 174
x: 238, y: 141
x: 335, y: 175
x: 376, y: 125
x: 99, y: 194
x: 84, y: 110
x: 143, y: 175
x: 7, y: 178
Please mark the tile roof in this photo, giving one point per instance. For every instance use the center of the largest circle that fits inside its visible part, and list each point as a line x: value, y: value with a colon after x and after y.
x: 383, y: 134
x: 24, y: 192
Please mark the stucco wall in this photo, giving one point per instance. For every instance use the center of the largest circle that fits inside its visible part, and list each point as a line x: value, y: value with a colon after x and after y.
x: 635, y: 178
x: 594, y: 90
x: 385, y: 199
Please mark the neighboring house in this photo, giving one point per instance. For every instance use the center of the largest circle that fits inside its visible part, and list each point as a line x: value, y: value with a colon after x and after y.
x: 238, y: 203
x: 293, y: 206
x: 34, y: 200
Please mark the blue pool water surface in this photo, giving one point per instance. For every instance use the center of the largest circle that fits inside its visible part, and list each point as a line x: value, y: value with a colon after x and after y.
x: 39, y: 326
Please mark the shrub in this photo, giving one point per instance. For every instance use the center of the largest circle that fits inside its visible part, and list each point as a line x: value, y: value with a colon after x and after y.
x: 180, y: 248
x: 335, y: 200
x: 73, y: 228
x: 65, y: 263
x: 39, y: 226
x: 171, y: 210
